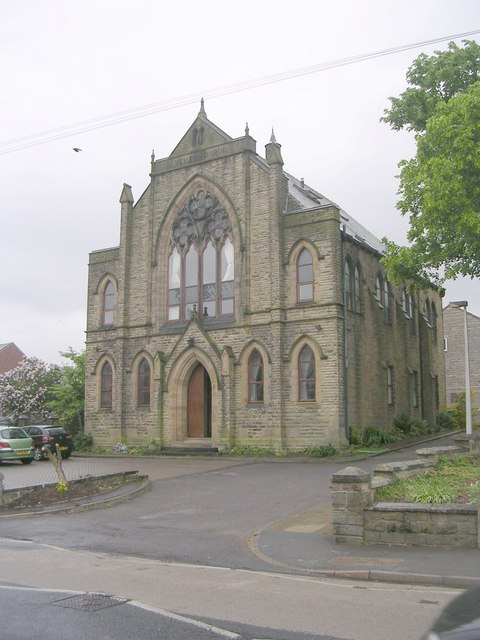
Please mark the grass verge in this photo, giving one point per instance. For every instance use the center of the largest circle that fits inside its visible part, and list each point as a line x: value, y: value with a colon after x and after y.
x: 452, y: 480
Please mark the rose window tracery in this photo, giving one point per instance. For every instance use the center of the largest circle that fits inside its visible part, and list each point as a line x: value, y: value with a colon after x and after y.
x: 203, y: 217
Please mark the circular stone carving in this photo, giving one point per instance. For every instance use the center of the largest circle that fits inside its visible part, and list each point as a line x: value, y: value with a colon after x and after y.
x: 201, y: 218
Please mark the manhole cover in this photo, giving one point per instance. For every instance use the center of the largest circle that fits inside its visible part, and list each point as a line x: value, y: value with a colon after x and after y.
x: 90, y: 602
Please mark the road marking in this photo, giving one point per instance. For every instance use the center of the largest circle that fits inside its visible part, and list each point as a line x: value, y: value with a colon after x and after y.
x: 196, y: 623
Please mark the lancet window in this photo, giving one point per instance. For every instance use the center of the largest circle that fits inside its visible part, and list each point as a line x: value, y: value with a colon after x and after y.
x: 201, y: 263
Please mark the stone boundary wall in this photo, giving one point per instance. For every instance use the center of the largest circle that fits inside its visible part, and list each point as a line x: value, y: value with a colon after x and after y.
x: 447, y: 525
x: 357, y: 520
x: 9, y: 495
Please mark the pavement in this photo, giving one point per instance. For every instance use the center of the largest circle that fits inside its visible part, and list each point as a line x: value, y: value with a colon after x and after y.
x: 300, y: 543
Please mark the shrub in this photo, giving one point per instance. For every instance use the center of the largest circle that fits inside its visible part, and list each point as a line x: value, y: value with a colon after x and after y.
x: 249, y: 450
x: 82, y: 441
x: 420, y: 426
x: 374, y: 436
x: 403, y: 423
x: 320, y: 452
x: 445, y: 420
x: 354, y: 436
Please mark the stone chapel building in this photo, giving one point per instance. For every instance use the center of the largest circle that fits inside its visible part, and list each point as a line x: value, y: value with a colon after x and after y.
x: 243, y: 307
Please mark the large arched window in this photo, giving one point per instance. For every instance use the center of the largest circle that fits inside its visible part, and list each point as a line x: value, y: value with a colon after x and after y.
x: 201, y: 263
x: 255, y: 377
x: 106, y: 386
x: 304, y: 277
x: 306, y: 374
x: 108, y: 304
x: 143, y: 383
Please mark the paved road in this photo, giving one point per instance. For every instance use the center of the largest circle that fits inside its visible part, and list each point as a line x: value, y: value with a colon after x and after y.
x: 183, y: 547
x: 197, y: 511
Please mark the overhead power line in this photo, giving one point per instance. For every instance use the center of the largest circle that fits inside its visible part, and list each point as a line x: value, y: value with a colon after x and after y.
x: 83, y: 126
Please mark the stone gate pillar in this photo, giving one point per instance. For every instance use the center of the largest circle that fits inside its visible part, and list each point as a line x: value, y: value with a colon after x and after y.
x: 351, y: 493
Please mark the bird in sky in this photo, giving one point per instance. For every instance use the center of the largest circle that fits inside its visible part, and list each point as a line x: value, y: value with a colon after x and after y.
x: 76, y: 149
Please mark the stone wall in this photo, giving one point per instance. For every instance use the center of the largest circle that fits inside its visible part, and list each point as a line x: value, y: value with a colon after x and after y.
x: 426, y: 525
x: 357, y: 520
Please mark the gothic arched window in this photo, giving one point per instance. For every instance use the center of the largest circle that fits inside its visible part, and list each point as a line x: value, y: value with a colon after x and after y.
x: 306, y: 374
x: 201, y: 263
x: 378, y: 289
x: 357, y: 290
x: 106, y: 386
x: 304, y: 277
x: 347, y: 285
x: 143, y: 384
x: 108, y: 304
x: 255, y: 377
x: 387, y: 298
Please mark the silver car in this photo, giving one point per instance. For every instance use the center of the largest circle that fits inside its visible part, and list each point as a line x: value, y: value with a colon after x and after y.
x: 15, y: 444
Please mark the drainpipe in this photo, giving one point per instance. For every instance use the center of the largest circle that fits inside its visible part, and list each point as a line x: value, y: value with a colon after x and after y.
x: 345, y: 335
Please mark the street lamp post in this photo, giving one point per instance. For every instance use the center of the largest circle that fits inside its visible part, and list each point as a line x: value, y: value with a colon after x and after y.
x: 463, y: 304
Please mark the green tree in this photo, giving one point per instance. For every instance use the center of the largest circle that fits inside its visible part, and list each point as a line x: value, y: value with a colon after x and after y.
x: 439, y: 187
x: 68, y: 394
x: 433, y: 79
x: 26, y: 390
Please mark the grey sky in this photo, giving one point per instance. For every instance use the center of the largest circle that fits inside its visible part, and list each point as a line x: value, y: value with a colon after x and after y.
x: 66, y: 61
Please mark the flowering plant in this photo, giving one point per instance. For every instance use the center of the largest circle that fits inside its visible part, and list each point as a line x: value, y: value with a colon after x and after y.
x: 25, y: 390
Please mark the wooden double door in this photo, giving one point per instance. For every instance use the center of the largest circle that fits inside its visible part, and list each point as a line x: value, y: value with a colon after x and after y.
x: 199, y: 404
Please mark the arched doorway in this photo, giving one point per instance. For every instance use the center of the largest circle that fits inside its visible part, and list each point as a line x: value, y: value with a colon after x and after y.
x: 199, y: 404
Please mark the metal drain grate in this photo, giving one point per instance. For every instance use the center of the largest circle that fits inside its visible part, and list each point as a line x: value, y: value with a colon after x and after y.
x: 89, y: 602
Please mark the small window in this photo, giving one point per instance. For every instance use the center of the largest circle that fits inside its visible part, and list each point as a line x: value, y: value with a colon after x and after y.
x: 390, y: 386
x: 255, y: 377
x: 357, y: 290
x: 108, y: 303
x: 378, y: 290
x: 428, y: 313
x: 433, y: 321
x: 106, y: 386
x: 306, y: 375
x: 387, y: 299
x: 436, y: 392
x: 143, y: 384
x: 347, y: 285
x: 414, y: 389
x: 304, y: 277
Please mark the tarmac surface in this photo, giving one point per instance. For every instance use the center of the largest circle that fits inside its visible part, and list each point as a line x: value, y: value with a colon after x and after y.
x: 299, y: 543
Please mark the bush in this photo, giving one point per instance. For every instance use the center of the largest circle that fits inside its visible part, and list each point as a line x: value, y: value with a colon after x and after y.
x: 354, y: 436
x: 82, y: 441
x: 420, y: 427
x: 445, y: 420
x: 403, y: 423
x: 250, y: 450
x: 374, y: 436
x: 321, y: 452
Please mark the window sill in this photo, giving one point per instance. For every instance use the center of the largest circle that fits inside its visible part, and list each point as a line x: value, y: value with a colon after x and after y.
x: 179, y: 327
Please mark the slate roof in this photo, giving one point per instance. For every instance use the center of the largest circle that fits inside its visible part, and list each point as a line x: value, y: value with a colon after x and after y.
x: 303, y: 197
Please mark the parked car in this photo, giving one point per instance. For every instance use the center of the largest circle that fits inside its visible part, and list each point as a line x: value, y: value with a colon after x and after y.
x: 45, y: 435
x: 15, y: 444
x: 460, y: 619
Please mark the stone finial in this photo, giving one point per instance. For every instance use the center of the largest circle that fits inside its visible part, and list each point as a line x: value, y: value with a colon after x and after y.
x: 273, y: 151
x: 247, y: 130
x: 202, y: 107
x: 152, y: 157
x: 126, y: 195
